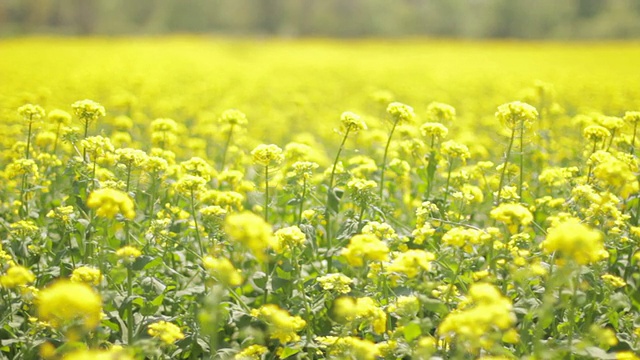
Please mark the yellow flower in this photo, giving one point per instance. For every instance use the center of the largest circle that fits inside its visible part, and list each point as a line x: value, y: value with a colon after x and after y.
x: 267, y: 155
x: 60, y: 117
x: 365, y: 247
x: 411, y: 262
x: 303, y: 169
x: 405, y: 306
x: 132, y: 158
x: 128, y: 253
x: 349, y: 347
x: 626, y: 355
x: 87, y: 275
x: 575, y: 241
x: 110, y: 202
x: 251, y: 352
x: 88, y: 110
x: 516, y: 114
x: 233, y: 117
x: 281, y: 325
x: 595, y: 133
x: 486, y: 312
x: 435, y: 131
x: 463, y: 238
x: 455, y: 150
x: 110, y: 354
x: 632, y: 116
x: 400, y: 112
x: 251, y: 231
x: 16, y: 276
x: 167, y: 332
x: 289, y: 238
x: 512, y: 214
x: 361, y: 310
x: 351, y: 122
x: 223, y: 270
x: 68, y: 303
x: 338, y: 282
x: 189, y: 185
x: 440, y: 112
x: 31, y: 113
x: 198, y: 167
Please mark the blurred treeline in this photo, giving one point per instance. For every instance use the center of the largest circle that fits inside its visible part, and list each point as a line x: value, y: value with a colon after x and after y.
x: 529, y: 19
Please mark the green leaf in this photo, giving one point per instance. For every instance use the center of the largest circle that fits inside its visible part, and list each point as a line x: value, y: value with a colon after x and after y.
x: 333, y: 200
x: 286, y: 352
x: 411, y: 331
x: 435, y: 306
x: 142, y: 261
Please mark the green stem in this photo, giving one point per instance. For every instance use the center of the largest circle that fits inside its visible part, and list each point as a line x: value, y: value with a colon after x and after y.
x: 384, y: 158
x: 330, y: 193
x: 266, y: 193
x: 304, y: 191
x: 431, y: 168
x: 633, y: 140
x: 195, y: 222
x: 130, y: 320
x: 446, y: 188
x: 226, y: 147
x: 595, y: 144
x: 55, y: 144
x: 361, y: 216
x: 86, y: 132
x: 28, y: 151
x: 572, y: 316
x: 497, y: 200
x: 521, y: 180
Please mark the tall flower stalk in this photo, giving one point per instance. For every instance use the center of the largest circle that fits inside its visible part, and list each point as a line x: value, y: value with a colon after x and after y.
x: 517, y: 116
x: 349, y: 123
x: 87, y: 111
x: 231, y: 118
x: 400, y: 113
x: 268, y: 156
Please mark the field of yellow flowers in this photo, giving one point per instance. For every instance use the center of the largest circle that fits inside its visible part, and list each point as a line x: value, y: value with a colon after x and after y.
x: 174, y: 198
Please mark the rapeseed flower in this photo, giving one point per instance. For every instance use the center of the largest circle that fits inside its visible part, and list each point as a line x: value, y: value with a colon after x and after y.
x: 463, y: 238
x: 66, y: 303
x: 356, y: 311
x: 87, y: 275
x: 16, y: 276
x: 251, y: 352
x: 515, y: 114
x: 363, y: 248
x: 59, y: 117
x: 167, y: 332
x: 576, y: 242
x: 31, y: 112
x: 233, y: 117
x: 280, y: 324
x: 401, y: 113
x: 410, y: 262
x: 110, y: 202
x: 222, y: 270
x: 474, y: 323
x: 267, y: 155
x: 512, y: 215
x: 289, y: 238
x: 351, y: 122
x: 440, y: 112
x: 251, y: 231
x: 88, y: 110
x: 337, y: 282
x: 115, y: 352
x: 349, y: 347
